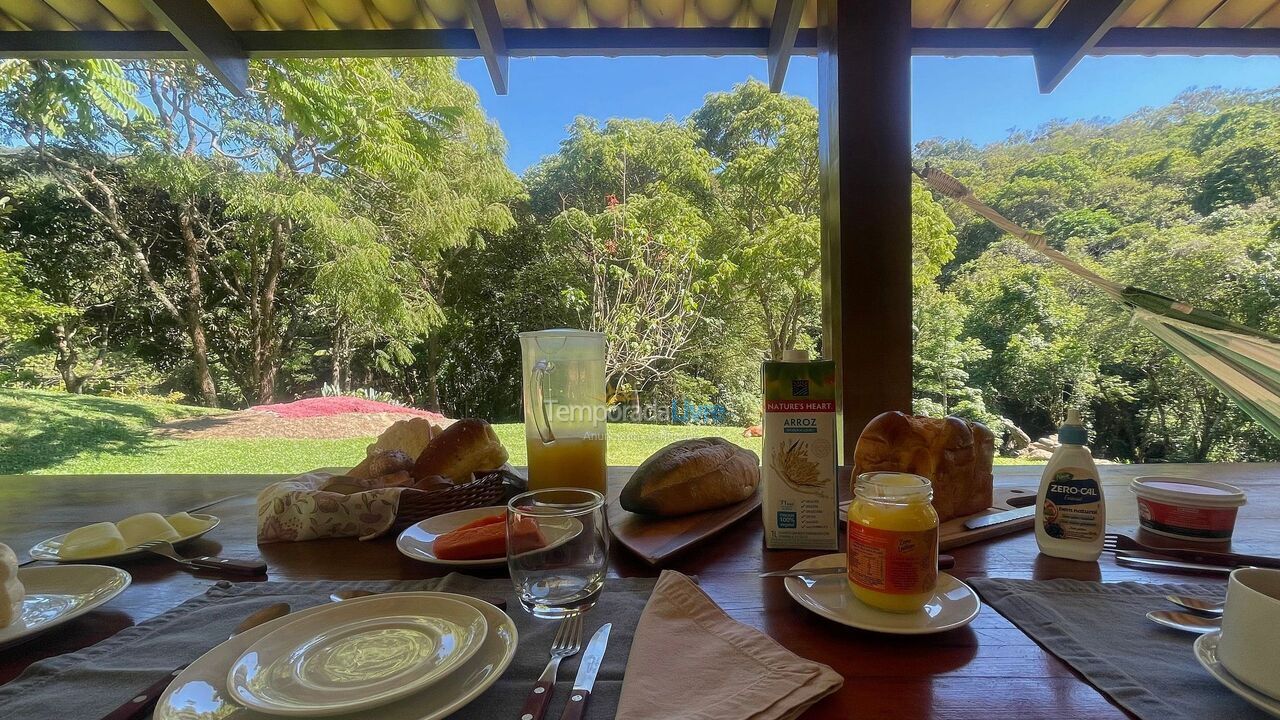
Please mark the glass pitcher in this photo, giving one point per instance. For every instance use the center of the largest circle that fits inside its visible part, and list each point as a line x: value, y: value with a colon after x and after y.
x: 564, y: 408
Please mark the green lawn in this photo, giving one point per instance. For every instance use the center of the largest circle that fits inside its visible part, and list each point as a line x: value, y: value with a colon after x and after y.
x: 53, y: 432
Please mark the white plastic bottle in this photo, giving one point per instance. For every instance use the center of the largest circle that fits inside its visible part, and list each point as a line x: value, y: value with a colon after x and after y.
x: 1071, y: 512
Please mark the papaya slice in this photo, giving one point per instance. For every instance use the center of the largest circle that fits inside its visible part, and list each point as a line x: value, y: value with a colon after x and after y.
x: 486, y: 520
x: 488, y: 541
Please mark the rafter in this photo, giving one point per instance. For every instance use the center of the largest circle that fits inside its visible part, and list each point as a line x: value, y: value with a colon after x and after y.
x: 492, y: 40
x: 202, y: 31
x: 1072, y: 34
x: 782, y: 39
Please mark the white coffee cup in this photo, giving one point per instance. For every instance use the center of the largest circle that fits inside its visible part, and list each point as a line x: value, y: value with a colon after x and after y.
x: 1249, y: 647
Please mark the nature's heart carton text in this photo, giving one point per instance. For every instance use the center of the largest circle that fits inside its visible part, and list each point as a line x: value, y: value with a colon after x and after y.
x: 799, y: 455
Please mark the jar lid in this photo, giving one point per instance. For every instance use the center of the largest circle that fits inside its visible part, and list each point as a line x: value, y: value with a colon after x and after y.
x: 1187, y: 491
x: 893, y: 487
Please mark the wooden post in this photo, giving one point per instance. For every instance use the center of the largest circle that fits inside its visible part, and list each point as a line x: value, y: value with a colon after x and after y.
x: 864, y: 107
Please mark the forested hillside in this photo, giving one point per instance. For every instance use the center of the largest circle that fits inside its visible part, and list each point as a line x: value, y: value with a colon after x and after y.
x: 353, y: 225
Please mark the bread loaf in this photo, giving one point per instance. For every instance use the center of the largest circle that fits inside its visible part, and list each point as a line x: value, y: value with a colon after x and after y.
x: 382, y: 462
x: 689, y: 476
x: 11, y: 590
x: 460, y: 450
x: 955, y: 454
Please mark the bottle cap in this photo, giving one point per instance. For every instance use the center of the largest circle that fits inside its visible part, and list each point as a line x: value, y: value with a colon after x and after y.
x: 795, y: 356
x: 1073, y: 431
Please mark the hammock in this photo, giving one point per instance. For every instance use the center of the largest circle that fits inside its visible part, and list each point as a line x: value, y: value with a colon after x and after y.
x: 1242, y: 362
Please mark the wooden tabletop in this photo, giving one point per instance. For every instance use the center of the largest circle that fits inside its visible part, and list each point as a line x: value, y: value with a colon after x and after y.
x: 987, y: 670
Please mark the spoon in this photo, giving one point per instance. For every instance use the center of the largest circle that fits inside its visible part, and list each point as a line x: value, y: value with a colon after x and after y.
x: 1186, y: 622
x: 1209, y: 607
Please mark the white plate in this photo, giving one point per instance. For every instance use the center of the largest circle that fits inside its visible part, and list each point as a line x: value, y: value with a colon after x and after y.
x: 418, y: 541
x: 1207, y: 653
x: 953, y: 605
x: 356, y: 655
x: 200, y: 690
x: 58, y: 594
x: 48, y: 549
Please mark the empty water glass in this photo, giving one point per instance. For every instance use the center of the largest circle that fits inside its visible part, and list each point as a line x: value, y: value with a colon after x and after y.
x: 557, y: 549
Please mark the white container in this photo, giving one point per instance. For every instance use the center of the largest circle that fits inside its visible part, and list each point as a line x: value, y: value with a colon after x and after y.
x: 1071, y: 511
x: 1187, y: 509
x: 1249, y: 647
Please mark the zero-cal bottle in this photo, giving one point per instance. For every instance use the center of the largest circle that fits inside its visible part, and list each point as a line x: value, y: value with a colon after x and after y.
x: 1071, y: 511
x: 799, y: 454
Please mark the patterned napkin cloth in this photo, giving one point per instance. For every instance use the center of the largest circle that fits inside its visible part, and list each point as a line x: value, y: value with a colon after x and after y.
x: 1101, y: 630
x: 302, y: 508
x: 691, y: 661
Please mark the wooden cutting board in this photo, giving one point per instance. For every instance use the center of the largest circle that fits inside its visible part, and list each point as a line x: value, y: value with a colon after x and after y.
x: 952, y: 533
x: 656, y: 539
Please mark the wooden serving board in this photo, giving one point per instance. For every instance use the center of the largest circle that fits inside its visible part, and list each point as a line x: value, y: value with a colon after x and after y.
x: 656, y: 539
x: 952, y: 533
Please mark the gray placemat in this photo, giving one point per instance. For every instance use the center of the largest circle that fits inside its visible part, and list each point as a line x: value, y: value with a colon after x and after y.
x: 1101, y: 630
x: 92, y: 682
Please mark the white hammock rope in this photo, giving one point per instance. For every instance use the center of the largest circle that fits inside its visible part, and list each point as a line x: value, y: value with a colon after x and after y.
x: 1241, y: 362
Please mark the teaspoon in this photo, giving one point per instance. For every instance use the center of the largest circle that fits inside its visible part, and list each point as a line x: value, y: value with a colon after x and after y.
x: 1185, y: 621
x: 1210, y: 607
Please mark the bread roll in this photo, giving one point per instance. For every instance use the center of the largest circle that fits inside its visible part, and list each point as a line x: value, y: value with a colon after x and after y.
x: 955, y: 454
x: 690, y: 476
x: 460, y: 450
x: 410, y: 437
x: 382, y: 462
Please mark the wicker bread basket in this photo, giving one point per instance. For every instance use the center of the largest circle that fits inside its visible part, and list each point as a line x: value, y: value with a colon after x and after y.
x: 489, y: 487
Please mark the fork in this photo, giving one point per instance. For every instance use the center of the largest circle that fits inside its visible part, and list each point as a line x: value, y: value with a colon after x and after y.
x: 204, y: 562
x: 1113, y: 542
x: 567, y: 643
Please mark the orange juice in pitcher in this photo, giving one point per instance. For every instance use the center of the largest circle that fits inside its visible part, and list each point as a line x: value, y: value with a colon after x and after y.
x: 564, y: 409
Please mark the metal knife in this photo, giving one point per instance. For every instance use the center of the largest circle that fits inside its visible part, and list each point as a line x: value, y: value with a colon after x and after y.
x: 999, y: 518
x: 1158, y: 564
x: 576, y: 709
x: 945, y: 562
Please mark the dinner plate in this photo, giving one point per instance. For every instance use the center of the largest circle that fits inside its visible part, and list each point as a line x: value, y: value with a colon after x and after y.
x: 954, y: 604
x: 418, y: 541
x: 1206, y: 647
x: 48, y: 549
x: 57, y: 594
x: 356, y: 656
x: 201, y: 689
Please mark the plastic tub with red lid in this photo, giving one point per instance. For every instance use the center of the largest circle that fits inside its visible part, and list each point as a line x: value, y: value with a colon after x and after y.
x: 1187, y: 509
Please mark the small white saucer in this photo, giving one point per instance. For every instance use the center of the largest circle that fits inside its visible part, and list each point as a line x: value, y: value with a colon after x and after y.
x: 57, y: 594
x: 357, y: 655
x: 200, y: 689
x: 418, y: 541
x: 1207, y: 653
x: 48, y: 549
x: 953, y: 605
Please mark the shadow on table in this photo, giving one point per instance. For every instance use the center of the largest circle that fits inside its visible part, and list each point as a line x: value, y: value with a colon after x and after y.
x: 59, y: 427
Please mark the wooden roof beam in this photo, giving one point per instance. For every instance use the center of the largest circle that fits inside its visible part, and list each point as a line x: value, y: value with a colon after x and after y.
x: 493, y: 43
x: 1072, y: 34
x: 204, y: 34
x: 782, y: 39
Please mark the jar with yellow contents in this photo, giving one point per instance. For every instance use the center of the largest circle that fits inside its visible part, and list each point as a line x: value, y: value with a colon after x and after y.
x: 893, y: 541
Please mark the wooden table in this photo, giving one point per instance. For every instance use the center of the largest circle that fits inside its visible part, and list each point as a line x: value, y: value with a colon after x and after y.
x: 987, y: 670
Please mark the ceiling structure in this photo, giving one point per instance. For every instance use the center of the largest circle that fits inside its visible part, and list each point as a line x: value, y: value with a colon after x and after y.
x: 223, y: 34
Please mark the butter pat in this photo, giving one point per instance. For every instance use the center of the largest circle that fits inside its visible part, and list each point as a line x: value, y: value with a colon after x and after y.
x: 187, y: 525
x: 145, y: 527
x: 90, y: 541
x: 11, y: 590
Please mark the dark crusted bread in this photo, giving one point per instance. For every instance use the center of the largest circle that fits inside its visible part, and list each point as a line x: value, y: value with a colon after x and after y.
x: 463, y: 448
x: 689, y: 476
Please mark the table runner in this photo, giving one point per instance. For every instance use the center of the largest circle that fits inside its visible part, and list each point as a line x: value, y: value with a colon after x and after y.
x: 1101, y: 630
x: 90, y: 683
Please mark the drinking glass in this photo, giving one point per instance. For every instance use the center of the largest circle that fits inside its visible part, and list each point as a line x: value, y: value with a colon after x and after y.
x: 557, y: 549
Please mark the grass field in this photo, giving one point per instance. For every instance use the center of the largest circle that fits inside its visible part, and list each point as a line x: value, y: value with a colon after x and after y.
x: 56, y: 433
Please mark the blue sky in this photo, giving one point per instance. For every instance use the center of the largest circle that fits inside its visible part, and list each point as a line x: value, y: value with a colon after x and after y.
x: 977, y: 98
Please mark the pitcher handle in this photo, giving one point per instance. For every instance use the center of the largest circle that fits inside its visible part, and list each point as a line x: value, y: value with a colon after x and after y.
x: 541, y: 369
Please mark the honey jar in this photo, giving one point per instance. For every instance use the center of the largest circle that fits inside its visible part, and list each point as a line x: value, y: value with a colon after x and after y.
x: 893, y: 541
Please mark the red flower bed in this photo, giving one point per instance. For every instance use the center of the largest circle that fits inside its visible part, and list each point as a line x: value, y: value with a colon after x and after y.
x: 326, y: 406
